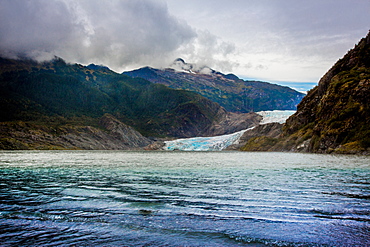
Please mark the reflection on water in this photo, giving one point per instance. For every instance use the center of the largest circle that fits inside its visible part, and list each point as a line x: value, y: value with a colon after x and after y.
x: 99, y: 198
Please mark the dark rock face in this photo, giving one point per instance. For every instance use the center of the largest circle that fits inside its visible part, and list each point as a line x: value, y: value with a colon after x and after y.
x: 232, y: 122
x: 210, y: 121
x: 203, y: 118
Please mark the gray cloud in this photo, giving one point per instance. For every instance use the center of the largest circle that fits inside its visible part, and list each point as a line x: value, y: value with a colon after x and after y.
x: 294, y: 40
x: 30, y: 28
x: 115, y: 33
x: 291, y: 40
x: 209, y: 50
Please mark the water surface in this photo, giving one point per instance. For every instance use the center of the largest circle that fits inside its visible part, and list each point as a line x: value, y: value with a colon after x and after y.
x: 115, y: 198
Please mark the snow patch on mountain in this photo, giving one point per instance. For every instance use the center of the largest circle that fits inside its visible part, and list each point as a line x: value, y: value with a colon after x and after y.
x: 181, y: 66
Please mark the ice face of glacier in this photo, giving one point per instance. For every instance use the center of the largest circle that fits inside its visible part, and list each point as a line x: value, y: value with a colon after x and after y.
x: 218, y: 143
x: 214, y: 143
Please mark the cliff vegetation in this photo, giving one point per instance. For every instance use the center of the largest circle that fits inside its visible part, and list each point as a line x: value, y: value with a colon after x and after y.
x: 58, y: 105
x: 334, y: 117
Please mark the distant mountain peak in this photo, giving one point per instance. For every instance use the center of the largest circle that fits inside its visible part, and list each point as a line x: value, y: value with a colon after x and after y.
x: 231, y: 92
x: 179, y: 60
x: 180, y: 65
x: 98, y: 67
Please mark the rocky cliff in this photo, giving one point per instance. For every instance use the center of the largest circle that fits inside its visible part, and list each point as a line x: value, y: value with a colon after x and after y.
x: 111, y: 134
x: 334, y: 117
x: 260, y: 138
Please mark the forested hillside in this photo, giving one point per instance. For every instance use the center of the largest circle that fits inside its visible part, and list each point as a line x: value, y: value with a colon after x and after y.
x: 229, y: 91
x: 58, y: 94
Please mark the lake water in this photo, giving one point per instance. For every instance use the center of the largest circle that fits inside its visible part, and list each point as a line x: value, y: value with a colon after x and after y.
x: 116, y: 198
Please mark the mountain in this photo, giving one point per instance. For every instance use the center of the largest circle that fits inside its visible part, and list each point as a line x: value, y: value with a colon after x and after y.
x: 46, y: 105
x: 334, y: 117
x: 234, y: 94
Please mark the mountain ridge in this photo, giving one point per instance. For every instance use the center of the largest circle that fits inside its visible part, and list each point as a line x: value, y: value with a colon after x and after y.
x: 54, y: 96
x: 231, y: 92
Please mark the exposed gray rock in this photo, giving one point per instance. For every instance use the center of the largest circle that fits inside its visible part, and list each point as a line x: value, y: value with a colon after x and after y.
x: 232, y: 122
x: 114, y: 135
x: 123, y: 133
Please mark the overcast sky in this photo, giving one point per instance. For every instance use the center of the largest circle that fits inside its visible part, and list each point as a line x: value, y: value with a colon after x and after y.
x: 272, y: 40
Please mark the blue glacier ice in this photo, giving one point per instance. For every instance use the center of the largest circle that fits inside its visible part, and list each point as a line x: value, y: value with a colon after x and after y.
x: 213, y: 143
x: 218, y: 143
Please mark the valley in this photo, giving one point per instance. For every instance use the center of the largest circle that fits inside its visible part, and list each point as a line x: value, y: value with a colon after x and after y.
x: 57, y: 105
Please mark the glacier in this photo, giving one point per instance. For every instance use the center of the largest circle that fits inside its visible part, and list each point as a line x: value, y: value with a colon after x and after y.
x: 218, y: 143
x: 213, y: 143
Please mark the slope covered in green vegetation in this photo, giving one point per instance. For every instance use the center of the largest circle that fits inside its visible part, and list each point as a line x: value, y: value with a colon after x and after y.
x: 234, y: 94
x: 335, y: 115
x: 54, y: 94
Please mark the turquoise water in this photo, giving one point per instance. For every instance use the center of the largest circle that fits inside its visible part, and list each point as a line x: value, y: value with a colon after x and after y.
x: 115, y: 198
